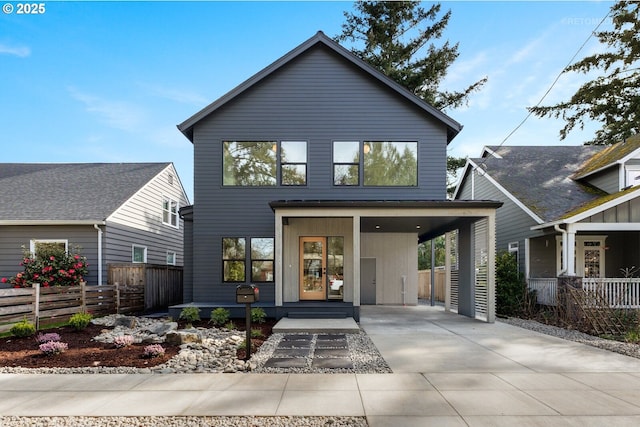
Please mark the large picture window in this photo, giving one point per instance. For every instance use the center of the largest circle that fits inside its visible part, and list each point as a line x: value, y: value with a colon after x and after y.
x: 346, y: 163
x: 293, y: 163
x: 249, y: 163
x: 46, y: 247
x: 262, y: 259
x: 233, y: 259
x: 390, y: 164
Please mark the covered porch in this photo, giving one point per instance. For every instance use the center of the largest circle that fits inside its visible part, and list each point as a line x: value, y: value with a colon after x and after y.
x: 334, y: 256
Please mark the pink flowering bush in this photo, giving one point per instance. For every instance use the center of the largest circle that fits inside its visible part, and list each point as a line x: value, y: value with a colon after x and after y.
x: 122, y: 341
x: 43, y: 338
x: 51, y: 348
x: 55, y: 268
x: 153, y: 350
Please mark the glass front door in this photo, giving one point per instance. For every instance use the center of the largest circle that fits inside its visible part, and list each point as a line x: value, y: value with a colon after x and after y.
x: 313, y: 269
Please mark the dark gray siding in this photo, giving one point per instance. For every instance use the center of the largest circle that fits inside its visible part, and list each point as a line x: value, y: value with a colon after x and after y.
x: 607, y: 180
x: 512, y: 223
x: 318, y: 97
x: 14, y: 238
x: 624, y: 212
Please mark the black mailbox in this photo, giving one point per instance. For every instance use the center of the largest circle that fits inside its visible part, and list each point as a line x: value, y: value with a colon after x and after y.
x: 247, y: 294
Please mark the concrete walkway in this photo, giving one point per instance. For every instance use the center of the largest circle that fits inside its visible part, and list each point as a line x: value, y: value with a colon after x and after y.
x: 448, y: 371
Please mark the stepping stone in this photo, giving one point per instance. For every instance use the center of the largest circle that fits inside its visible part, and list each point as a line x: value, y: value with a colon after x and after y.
x: 294, y: 344
x: 297, y: 337
x: 279, y: 362
x: 331, y: 352
x: 331, y: 344
x: 331, y: 337
x: 333, y: 363
x: 291, y: 352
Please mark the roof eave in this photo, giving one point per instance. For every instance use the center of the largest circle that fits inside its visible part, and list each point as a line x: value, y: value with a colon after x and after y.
x: 52, y: 222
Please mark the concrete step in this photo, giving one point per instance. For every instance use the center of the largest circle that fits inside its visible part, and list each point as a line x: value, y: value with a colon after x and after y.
x: 287, y: 325
x: 316, y: 315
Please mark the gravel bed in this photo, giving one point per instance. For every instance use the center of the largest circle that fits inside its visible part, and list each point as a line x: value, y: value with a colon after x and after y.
x: 183, y: 421
x: 628, y: 349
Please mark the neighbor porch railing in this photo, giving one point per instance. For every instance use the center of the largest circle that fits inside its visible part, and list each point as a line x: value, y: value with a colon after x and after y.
x: 616, y: 292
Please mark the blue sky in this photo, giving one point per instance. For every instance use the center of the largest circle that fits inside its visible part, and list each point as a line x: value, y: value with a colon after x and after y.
x: 109, y: 81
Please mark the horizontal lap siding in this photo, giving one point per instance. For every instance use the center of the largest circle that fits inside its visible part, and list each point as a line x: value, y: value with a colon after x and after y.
x: 318, y: 98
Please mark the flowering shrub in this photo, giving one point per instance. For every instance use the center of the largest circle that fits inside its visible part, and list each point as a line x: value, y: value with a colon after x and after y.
x: 153, y: 350
x: 51, y: 348
x: 55, y: 268
x: 43, y: 338
x: 123, y: 341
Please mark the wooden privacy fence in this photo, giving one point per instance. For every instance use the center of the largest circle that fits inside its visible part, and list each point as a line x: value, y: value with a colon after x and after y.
x: 160, y: 285
x: 424, y: 284
x: 57, y: 304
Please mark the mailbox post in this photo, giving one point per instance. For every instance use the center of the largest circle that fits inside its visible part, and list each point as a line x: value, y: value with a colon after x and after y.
x: 247, y: 294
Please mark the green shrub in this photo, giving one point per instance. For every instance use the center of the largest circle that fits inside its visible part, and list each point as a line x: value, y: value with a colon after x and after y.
x: 258, y: 315
x: 256, y: 333
x: 80, y: 320
x: 230, y: 326
x: 24, y: 328
x: 512, y: 297
x: 633, y: 336
x: 190, y: 314
x: 220, y: 316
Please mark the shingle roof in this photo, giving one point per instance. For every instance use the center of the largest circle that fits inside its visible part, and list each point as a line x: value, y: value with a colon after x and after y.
x: 453, y: 127
x: 609, y: 156
x: 539, y: 176
x: 69, y: 191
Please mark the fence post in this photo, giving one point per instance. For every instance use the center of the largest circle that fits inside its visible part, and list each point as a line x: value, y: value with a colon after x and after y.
x: 83, y: 290
x: 36, y: 309
x: 117, y: 297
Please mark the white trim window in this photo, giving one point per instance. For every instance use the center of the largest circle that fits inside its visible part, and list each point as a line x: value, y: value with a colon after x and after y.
x: 589, y: 255
x: 138, y: 254
x: 514, y: 248
x: 171, y: 258
x: 48, y: 245
x: 170, y: 211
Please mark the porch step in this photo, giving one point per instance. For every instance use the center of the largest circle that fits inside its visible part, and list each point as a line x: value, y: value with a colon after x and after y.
x: 317, y: 315
x: 287, y: 325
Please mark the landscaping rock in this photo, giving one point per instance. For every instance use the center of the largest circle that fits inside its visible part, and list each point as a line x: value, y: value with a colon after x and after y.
x: 183, y: 337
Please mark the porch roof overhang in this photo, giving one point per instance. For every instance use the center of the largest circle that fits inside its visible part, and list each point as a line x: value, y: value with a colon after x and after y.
x: 427, y: 218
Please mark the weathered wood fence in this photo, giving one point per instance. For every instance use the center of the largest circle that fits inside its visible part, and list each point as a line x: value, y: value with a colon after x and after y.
x: 161, y: 285
x: 44, y: 306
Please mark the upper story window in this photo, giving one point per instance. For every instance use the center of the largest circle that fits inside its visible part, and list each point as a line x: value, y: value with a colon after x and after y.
x: 293, y: 163
x: 346, y: 163
x: 390, y: 164
x: 171, y: 258
x: 249, y: 163
x: 169, y: 211
x: 46, y: 247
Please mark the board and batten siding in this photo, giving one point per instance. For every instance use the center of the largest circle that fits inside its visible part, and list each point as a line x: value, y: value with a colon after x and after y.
x: 512, y: 223
x: 139, y: 221
x: 317, y: 97
x: 14, y: 238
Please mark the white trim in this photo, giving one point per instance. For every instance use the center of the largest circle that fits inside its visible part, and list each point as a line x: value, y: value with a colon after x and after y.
x: 578, y: 253
x: 175, y: 257
x: 603, y: 206
x: 527, y: 260
x: 489, y: 151
x: 52, y: 222
x: 171, y: 200
x: 133, y: 246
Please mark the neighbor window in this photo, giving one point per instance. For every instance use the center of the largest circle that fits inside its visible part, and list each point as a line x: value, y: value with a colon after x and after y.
x: 169, y: 211
x: 262, y: 259
x: 233, y: 259
x: 47, y: 247
x: 138, y: 254
x: 390, y: 163
x: 249, y: 163
x: 293, y: 163
x: 346, y: 163
x: 171, y: 258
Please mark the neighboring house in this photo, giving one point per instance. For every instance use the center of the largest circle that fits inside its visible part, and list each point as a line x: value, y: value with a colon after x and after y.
x: 557, y: 197
x: 113, y: 212
x: 315, y: 180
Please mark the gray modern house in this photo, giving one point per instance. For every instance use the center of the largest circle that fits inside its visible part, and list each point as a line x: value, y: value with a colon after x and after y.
x: 567, y: 211
x: 112, y: 212
x: 315, y: 180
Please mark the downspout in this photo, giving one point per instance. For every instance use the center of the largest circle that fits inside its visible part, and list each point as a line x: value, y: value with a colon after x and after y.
x: 99, y: 253
x: 565, y: 249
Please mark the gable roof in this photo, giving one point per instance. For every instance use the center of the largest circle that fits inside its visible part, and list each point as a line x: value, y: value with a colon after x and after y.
x: 453, y: 127
x: 69, y: 192
x: 609, y: 156
x: 539, y: 177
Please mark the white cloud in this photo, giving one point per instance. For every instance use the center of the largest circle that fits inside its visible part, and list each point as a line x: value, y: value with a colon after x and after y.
x: 179, y: 95
x: 117, y: 114
x: 19, y: 51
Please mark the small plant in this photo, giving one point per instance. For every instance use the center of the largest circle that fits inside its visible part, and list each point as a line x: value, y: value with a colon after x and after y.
x: 633, y: 336
x: 153, y: 350
x: 80, y: 320
x: 258, y: 315
x: 190, y: 314
x: 51, y: 348
x: 220, y: 316
x: 122, y: 341
x: 256, y: 333
x: 51, y: 336
x: 229, y: 326
x: 24, y: 328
